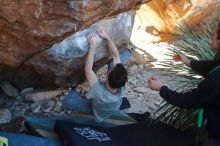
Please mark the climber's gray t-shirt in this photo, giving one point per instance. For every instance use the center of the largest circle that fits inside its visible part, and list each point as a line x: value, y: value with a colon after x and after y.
x: 104, y: 102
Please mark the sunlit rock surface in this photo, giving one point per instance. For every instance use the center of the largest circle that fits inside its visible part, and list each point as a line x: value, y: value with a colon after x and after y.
x: 160, y: 19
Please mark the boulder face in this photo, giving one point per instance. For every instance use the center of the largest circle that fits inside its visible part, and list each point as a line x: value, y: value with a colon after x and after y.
x: 62, y: 63
x: 29, y: 28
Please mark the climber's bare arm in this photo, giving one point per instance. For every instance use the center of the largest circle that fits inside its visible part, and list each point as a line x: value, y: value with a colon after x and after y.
x: 90, y: 74
x: 111, y: 46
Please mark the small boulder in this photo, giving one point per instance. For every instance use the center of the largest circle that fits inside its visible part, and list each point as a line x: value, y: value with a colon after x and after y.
x: 9, y: 89
x: 5, y: 116
x: 26, y: 91
x: 140, y: 90
x: 41, y: 96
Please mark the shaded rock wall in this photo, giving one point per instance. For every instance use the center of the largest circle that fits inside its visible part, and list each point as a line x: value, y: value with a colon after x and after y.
x: 30, y: 27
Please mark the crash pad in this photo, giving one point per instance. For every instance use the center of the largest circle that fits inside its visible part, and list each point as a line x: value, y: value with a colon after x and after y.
x: 28, y: 140
x: 136, y: 134
x: 43, y: 126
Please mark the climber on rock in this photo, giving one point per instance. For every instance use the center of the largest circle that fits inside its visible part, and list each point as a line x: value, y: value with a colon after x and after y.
x: 103, y: 99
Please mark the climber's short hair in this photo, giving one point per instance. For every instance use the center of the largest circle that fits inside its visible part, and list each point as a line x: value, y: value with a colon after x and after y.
x: 118, y: 76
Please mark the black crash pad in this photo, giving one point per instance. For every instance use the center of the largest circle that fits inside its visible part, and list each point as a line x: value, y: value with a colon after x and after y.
x: 137, y: 134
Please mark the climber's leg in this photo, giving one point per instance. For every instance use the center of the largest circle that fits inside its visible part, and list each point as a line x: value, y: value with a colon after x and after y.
x: 73, y: 101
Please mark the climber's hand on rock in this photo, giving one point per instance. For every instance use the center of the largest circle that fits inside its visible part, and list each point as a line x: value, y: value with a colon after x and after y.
x: 91, y: 40
x: 102, y: 32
